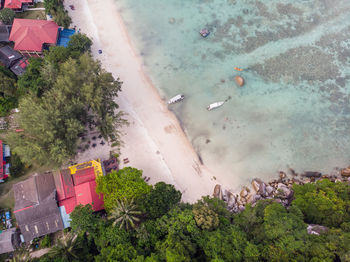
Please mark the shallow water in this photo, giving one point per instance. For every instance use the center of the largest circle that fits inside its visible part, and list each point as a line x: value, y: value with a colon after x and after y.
x: 293, y: 110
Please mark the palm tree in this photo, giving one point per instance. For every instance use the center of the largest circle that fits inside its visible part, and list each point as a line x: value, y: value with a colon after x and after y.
x: 66, y: 247
x: 21, y: 255
x: 125, y: 213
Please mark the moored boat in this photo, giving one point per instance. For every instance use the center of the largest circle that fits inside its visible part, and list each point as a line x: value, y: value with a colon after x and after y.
x: 175, y: 99
x: 215, y: 105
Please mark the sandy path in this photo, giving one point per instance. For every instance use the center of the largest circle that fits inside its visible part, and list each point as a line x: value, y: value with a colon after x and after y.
x: 154, y: 141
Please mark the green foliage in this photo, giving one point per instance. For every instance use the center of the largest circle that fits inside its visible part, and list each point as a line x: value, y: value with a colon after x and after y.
x: 45, y: 242
x: 6, y: 104
x: 125, y: 214
x: 324, y: 202
x: 59, y: 14
x: 67, y: 247
x: 8, y: 91
x: 51, y: 124
x: 120, y: 252
x: 79, y: 43
x: 205, y: 217
x: 160, y: 200
x: 16, y: 167
x: 124, y: 184
x: 7, y: 15
x: 83, y: 220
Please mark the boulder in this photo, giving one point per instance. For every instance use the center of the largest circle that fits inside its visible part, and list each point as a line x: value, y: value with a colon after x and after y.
x: 345, y: 172
x: 313, y: 229
x: 282, y: 175
x: 256, y: 185
x: 312, y: 174
x: 283, y: 191
x: 217, y: 192
x: 239, y: 80
x: 269, y: 190
x: 244, y: 193
x: 262, y: 190
x: 231, y: 200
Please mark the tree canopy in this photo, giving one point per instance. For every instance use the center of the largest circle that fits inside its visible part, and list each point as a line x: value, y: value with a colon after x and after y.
x: 7, y: 15
x: 51, y: 124
x: 59, y: 14
x: 124, y: 184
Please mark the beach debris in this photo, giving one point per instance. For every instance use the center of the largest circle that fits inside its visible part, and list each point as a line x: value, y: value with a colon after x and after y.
x: 239, y: 80
x: 100, y: 51
x: 204, y: 32
x: 176, y: 98
x: 238, y: 69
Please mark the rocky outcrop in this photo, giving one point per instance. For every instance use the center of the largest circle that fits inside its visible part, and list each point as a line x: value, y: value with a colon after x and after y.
x: 279, y: 190
x: 313, y: 229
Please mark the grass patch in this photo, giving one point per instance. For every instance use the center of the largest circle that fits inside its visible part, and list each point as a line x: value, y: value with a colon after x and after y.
x: 36, y: 14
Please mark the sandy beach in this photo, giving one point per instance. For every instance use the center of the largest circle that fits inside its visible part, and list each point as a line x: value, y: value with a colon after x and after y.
x: 154, y: 140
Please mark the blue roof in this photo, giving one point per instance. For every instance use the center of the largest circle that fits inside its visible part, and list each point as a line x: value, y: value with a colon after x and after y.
x: 64, y: 36
x: 65, y: 217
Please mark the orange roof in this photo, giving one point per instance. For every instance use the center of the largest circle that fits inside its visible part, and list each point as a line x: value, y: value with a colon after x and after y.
x: 16, y: 4
x: 30, y: 34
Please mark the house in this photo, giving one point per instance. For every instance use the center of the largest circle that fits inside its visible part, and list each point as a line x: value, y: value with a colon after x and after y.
x: 5, y: 33
x: 4, y: 166
x: 76, y: 185
x: 9, y: 240
x: 8, y: 56
x: 17, y: 5
x: 20, y: 66
x: 36, y: 210
x: 32, y: 36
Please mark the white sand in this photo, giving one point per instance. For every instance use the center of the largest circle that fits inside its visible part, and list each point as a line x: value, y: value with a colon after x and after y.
x: 154, y: 141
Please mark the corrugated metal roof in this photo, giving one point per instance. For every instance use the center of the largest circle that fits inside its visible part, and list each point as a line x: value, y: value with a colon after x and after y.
x: 83, y: 176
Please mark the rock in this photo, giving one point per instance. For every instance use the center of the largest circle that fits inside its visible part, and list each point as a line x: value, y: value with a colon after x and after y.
x: 241, y: 208
x: 172, y: 20
x: 313, y: 229
x: 282, y: 175
x: 239, y: 80
x: 217, y: 192
x: 312, y: 174
x: 345, y: 172
x: 292, y: 171
x: 255, y: 185
x: 231, y: 199
x: 269, y: 190
x: 244, y: 192
x: 283, y: 191
x: 262, y: 189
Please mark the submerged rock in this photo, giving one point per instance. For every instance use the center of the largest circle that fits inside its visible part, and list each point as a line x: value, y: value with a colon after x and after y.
x: 312, y: 174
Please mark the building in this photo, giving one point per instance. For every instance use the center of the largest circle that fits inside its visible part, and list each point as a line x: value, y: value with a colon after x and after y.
x: 77, y: 185
x: 20, y: 66
x: 32, y: 36
x: 36, y: 209
x: 8, y: 56
x: 4, y: 166
x: 5, y: 33
x: 17, y: 5
x: 9, y: 240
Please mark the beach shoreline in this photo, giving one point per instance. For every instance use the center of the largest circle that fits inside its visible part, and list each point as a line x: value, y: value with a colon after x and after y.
x: 154, y: 141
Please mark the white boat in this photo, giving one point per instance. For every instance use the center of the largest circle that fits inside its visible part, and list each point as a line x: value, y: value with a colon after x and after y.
x: 175, y: 99
x: 215, y: 105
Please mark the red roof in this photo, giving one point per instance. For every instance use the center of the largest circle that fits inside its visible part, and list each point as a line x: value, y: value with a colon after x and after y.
x: 16, y: 4
x: 64, y: 185
x: 83, y: 176
x: 30, y: 34
x: 69, y: 204
x: 86, y: 194
x: 1, y: 161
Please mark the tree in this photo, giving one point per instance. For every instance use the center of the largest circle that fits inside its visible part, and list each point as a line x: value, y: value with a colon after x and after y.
x: 205, y: 218
x: 125, y: 214
x: 160, y: 200
x: 56, y: 9
x: 67, y: 247
x: 121, y: 252
x: 7, y: 15
x: 83, y: 220
x: 124, y: 184
x: 82, y: 92
x: 8, y: 92
x: 79, y: 43
x: 323, y: 202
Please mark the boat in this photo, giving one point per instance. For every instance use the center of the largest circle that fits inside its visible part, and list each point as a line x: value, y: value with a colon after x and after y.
x: 204, y: 32
x: 175, y: 99
x: 215, y: 105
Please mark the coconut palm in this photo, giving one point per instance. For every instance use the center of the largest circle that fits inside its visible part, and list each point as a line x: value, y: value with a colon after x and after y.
x: 67, y: 247
x: 125, y: 213
x: 21, y: 255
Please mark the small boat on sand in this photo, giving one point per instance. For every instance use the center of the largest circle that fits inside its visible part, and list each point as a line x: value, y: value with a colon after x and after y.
x: 215, y: 105
x: 175, y: 99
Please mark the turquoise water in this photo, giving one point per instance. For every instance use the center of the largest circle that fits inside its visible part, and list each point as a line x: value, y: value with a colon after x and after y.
x: 293, y: 110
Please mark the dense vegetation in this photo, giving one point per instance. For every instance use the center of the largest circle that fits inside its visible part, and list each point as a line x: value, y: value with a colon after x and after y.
x: 59, y: 95
x: 7, y: 15
x: 167, y: 230
x: 59, y: 14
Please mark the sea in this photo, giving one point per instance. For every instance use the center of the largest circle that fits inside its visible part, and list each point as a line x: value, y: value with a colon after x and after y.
x: 293, y: 110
